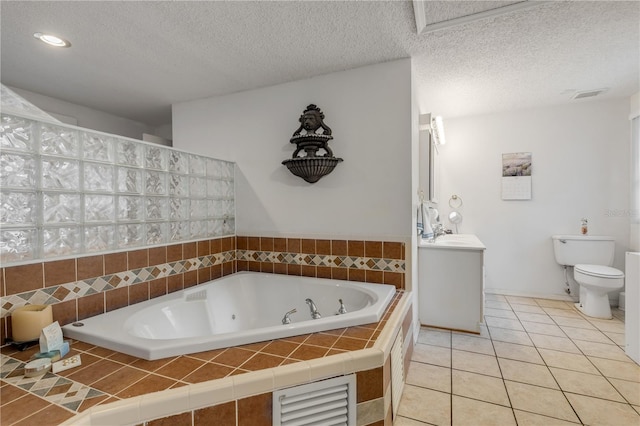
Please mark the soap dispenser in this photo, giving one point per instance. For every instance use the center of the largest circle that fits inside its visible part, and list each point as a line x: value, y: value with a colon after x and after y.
x: 584, y: 229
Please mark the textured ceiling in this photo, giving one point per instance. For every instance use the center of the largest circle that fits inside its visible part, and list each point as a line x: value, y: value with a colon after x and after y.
x: 134, y: 59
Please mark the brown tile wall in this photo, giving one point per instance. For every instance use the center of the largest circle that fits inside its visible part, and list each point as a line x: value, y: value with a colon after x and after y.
x: 47, y: 275
x: 267, y: 247
x: 44, y: 275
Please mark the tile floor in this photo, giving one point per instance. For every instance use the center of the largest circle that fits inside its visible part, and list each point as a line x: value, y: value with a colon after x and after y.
x: 536, y: 362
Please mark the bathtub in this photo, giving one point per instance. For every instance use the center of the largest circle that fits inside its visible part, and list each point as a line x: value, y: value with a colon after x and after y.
x: 238, y: 309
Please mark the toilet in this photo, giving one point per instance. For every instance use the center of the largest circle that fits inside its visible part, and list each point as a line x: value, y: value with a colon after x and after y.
x: 591, y: 258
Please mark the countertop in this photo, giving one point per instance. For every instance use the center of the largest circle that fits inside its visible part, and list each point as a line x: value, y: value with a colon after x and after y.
x: 454, y: 242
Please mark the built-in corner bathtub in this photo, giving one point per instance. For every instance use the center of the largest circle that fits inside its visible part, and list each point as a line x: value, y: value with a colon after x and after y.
x: 238, y: 309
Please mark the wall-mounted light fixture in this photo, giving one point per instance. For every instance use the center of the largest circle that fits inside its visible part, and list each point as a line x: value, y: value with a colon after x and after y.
x: 437, y: 130
x: 52, y: 40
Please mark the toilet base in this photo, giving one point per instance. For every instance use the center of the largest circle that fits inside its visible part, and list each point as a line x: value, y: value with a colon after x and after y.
x: 594, y: 313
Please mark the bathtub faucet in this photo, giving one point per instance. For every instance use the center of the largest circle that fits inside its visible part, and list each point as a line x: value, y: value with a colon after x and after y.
x: 286, y: 319
x: 341, y: 309
x: 314, y: 311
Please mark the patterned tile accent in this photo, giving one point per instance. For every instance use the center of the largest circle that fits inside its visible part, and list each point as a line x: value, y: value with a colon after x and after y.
x: 51, y: 387
x: 77, y: 289
x: 366, y: 263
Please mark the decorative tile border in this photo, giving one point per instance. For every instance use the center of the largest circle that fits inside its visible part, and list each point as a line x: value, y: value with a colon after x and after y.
x: 365, y: 263
x: 78, y: 289
x: 51, y: 387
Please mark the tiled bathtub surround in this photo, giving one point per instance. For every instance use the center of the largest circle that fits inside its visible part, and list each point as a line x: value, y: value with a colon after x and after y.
x: 87, y: 286
x: 226, y: 387
x: 365, y: 261
x: 67, y: 191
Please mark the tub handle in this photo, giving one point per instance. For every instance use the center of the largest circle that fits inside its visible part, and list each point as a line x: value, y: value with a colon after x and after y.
x: 342, y: 309
x: 286, y: 319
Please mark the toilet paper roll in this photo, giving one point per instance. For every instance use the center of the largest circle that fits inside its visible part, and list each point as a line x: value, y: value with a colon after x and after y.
x: 28, y: 321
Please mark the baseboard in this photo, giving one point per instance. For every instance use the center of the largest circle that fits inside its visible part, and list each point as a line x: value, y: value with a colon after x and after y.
x: 503, y: 292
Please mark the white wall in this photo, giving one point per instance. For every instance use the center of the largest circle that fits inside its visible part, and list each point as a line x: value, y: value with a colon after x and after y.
x: 91, y: 118
x: 368, y: 196
x: 580, y: 169
x: 634, y: 213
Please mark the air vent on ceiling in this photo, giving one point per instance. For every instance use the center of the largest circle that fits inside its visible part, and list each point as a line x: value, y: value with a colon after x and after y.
x: 588, y: 93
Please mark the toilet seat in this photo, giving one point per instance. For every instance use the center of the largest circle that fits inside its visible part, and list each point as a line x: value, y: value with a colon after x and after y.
x: 599, y: 271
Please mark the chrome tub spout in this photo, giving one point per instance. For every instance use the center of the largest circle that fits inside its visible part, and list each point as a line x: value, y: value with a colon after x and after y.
x: 314, y: 311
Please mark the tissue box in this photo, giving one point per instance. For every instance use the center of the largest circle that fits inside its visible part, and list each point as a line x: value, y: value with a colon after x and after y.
x: 51, y: 338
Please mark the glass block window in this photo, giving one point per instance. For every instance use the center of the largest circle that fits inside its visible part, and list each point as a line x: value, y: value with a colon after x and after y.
x: 68, y: 191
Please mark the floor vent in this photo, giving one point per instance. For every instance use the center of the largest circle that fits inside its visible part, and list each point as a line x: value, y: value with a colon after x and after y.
x: 325, y: 403
x: 397, y: 373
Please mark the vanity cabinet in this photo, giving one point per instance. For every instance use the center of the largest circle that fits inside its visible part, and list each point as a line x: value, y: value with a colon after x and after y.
x: 451, y: 283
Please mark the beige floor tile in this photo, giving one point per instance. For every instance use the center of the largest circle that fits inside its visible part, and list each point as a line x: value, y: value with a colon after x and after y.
x: 497, y: 305
x: 467, y: 342
x: 617, y: 369
x: 613, y: 325
x: 479, y: 386
x: 594, y: 411
x: 429, y: 376
x: 586, y: 384
x: 473, y: 362
x: 528, y: 316
x: 554, y: 342
x: 548, y: 402
x: 587, y: 335
x: 573, y: 322
x: 491, y: 296
x: 518, y: 352
x: 637, y: 408
x: 524, y: 372
x: 529, y: 419
x: 434, y: 337
x: 405, y: 421
x: 484, y: 332
x: 617, y: 338
x: 471, y: 412
x: 533, y: 309
x: 540, y: 328
x: 629, y: 390
x: 503, y: 323
x: 567, y: 313
x: 602, y: 350
x: 548, y: 303
x: 568, y: 361
x: 500, y: 313
x: 425, y: 405
x: 521, y: 300
x: 435, y: 355
x: 511, y: 336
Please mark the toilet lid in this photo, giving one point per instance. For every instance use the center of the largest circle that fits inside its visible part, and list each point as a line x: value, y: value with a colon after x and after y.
x: 599, y: 271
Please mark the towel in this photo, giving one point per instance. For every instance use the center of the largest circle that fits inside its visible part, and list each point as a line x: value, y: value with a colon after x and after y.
x: 424, y: 222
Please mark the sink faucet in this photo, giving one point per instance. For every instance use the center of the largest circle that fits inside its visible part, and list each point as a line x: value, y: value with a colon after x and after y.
x: 314, y: 311
x: 440, y: 230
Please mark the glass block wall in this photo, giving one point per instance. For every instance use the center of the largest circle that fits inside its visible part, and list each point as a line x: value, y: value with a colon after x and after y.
x: 67, y: 191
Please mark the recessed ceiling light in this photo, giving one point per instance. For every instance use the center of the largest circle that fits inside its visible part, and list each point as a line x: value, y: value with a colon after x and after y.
x: 52, y: 40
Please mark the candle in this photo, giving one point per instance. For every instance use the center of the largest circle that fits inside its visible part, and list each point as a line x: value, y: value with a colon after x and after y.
x: 28, y: 321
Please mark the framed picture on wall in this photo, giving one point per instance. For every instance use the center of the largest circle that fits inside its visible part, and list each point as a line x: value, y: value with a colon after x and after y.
x: 516, y: 176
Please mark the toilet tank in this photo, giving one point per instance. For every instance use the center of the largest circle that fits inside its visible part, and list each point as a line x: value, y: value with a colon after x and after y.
x: 571, y: 250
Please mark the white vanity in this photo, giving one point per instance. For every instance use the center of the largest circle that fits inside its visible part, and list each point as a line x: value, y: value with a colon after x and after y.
x: 451, y: 282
